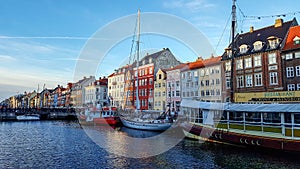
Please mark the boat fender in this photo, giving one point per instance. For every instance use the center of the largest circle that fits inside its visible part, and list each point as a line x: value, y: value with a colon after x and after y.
x: 220, y: 136
x: 246, y: 141
x: 241, y: 140
x: 252, y: 142
x: 258, y: 142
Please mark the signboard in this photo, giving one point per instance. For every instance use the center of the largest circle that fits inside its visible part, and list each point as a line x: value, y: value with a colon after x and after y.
x: 268, y: 97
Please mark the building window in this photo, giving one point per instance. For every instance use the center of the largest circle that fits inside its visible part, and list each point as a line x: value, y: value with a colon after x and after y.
x: 298, y: 86
x: 202, y: 93
x: 187, y: 85
x: 202, y: 72
x: 218, y: 93
x: 243, y: 49
x: 207, y: 93
x: 297, y: 70
x: 196, y: 93
x: 159, y: 76
x: 248, y: 62
x: 183, y: 75
x: 240, y: 81
x: 217, y: 81
x: 212, y: 92
x: 291, y: 87
x: 207, y: 82
x: 177, y: 83
x: 296, y: 40
x: 257, y: 45
x: 177, y: 93
x: 272, y: 58
x: 273, y: 78
x: 297, y: 54
x: 289, y: 56
x: 183, y: 94
x: 257, y: 60
x: 217, y: 70
x: 290, y: 72
x: 202, y: 83
x: 150, y: 70
x: 239, y: 64
x: 227, y: 66
x: 212, y: 82
x: 150, y: 81
x: 248, y: 80
x: 228, y: 82
x: 196, y: 74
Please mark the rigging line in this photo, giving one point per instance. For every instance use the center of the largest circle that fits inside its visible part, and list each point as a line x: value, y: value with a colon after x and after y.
x: 222, y: 34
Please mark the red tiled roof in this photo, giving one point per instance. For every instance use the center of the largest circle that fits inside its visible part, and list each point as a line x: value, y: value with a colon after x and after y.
x: 178, y: 67
x: 212, y: 61
x: 293, y: 32
x: 203, y: 63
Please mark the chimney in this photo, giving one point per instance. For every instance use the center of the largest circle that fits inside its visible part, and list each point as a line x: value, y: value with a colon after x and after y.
x: 278, y: 22
x: 251, y: 29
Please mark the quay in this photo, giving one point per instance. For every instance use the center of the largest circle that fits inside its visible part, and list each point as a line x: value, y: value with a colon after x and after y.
x: 10, y: 114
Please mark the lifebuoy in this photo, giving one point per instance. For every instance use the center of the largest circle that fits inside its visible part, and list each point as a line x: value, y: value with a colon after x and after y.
x: 216, y: 136
x: 257, y: 142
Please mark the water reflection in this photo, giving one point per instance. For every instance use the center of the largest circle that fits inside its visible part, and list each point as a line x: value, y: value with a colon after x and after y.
x: 59, y: 144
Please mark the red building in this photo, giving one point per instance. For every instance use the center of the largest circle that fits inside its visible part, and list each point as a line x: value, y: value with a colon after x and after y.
x: 291, y: 60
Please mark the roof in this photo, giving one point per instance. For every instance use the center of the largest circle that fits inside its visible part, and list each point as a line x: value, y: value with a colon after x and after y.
x: 264, y: 108
x: 200, y: 63
x: 181, y: 66
x: 262, y: 35
x: 293, y: 33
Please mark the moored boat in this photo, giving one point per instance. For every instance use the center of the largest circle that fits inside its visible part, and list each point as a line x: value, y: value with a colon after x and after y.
x: 144, y: 124
x: 28, y: 117
x: 108, y: 115
x: 275, y: 126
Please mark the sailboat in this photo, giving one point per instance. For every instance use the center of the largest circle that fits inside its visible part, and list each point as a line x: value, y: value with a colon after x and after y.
x: 136, y: 118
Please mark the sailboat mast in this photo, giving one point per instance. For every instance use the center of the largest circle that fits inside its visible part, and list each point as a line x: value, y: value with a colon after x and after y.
x: 137, y: 62
x: 233, y: 22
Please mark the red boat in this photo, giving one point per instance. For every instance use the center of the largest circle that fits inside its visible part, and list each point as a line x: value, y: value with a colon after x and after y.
x: 108, y: 115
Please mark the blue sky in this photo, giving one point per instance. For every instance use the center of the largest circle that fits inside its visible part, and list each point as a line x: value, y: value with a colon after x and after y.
x: 41, y: 40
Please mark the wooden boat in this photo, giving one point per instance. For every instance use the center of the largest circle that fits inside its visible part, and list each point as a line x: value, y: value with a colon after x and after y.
x: 28, y: 117
x: 275, y: 126
x: 146, y: 124
x: 108, y: 115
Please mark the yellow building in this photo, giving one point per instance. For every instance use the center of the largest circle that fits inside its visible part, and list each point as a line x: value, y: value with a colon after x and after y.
x: 160, y: 89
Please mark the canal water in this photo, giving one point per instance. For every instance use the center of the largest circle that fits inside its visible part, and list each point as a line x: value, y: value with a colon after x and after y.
x: 65, y: 144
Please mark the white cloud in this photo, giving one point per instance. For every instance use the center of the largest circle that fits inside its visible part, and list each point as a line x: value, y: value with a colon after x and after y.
x: 4, y: 58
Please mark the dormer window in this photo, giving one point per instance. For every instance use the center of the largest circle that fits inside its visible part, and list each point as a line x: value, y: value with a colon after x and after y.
x: 273, y: 42
x: 257, y: 45
x: 296, y: 40
x: 243, y: 49
x: 228, y: 52
x: 150, y: 60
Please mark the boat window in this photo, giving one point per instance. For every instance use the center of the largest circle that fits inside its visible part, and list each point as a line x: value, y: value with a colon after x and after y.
x: 297, y: 118
x: 253, y: 117
x: 287, y: 118
x: 199, y: 116
x: 236, y: 116
x: 271, y: 117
